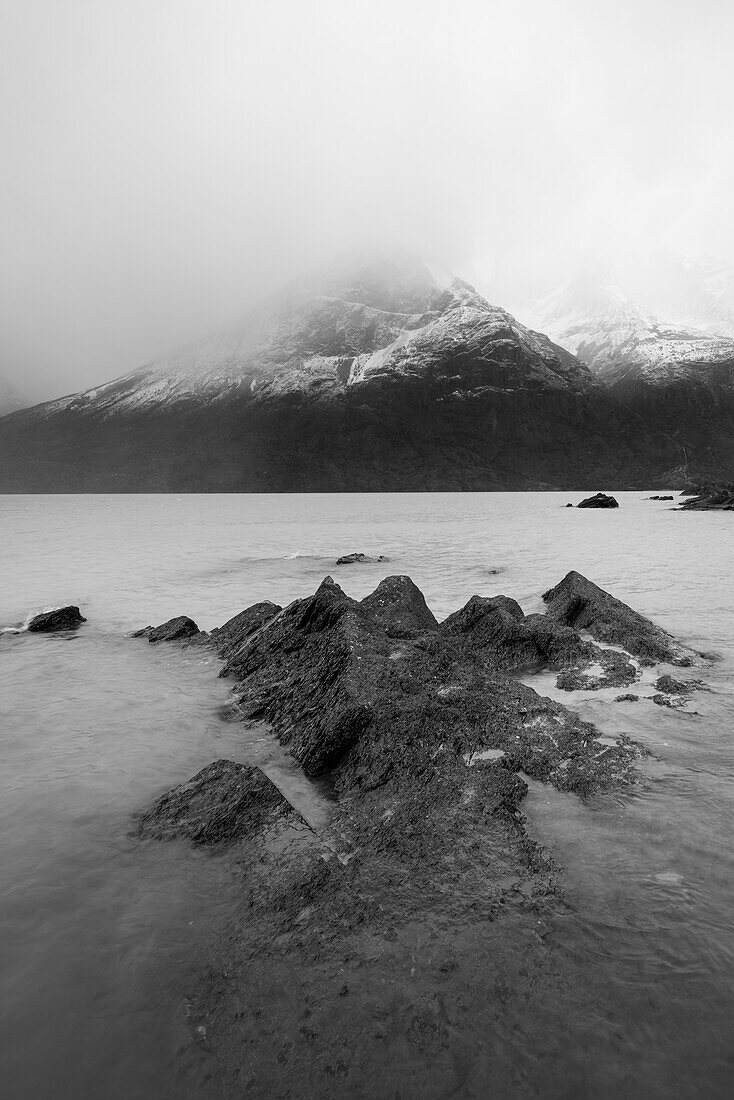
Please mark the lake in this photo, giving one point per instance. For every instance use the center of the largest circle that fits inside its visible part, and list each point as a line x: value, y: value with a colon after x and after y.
x: 101, y: 936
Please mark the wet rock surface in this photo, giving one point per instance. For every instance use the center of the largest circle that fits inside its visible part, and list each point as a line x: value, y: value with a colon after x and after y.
x: 709, y: 498
x: 357, y: 955
x: 599, y: 500
x: 174, y: 630
x: 61, y: 618
x: 398, y: 606
x: 228, y: 638
x: 581, y: 604
x: 223, y: 802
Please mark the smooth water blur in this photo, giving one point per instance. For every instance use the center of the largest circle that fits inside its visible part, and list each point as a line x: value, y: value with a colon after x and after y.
x: 100, y: 934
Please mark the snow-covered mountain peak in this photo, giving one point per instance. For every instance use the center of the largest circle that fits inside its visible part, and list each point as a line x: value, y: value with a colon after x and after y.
x: 342, y: 327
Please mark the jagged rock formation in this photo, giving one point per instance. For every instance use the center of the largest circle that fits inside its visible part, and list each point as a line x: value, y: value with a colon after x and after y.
x: 370, y: 377
x: 708, y: 498
x: 61, y: 618
x: 229, y: 637
x: 422, y: 731
x: 221, y: 803
x: 581, y: 604
x: 599, y: 500
x: 364, y: 690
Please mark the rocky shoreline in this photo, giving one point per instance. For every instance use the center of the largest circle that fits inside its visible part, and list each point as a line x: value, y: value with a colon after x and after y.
x: 361, y: 952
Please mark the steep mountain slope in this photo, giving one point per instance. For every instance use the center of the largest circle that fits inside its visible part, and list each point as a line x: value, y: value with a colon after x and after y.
x: 371, y: 377
x: 11, y: 399
x: 678, y: 379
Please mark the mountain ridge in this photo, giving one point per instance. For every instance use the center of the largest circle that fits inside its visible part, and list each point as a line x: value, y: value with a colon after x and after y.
x: 368, y: 377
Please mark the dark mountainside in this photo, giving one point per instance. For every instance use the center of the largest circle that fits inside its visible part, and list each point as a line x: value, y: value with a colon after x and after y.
x: 371, y: 378
x: 678, y: 377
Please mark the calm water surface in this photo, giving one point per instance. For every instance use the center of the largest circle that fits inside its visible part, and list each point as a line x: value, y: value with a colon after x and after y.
x: 100, y: 935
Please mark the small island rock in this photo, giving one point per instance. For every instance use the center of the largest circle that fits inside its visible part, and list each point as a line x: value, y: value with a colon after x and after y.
x: 61, y: 618
x: 171, y: 631
x: 599, y: 500
x: 358, y: 559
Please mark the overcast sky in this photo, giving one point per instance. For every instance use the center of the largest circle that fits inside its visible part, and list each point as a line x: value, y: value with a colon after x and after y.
x: 164, y: 161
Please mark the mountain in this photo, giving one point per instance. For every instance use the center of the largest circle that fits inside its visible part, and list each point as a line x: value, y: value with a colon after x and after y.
x: 676, y: 377
x: 369, y: 376
x: 11, y: 399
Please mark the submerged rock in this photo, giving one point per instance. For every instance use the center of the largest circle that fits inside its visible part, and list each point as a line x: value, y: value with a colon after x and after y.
x: 581, y: 604
x: 171, y: 631
x: 61, y: 618
x: 626, y: 698
x: 358, y: 559
x: 613, y: 669
x: 670, y: 686
x: 225, y: 801
x: 599, y: 500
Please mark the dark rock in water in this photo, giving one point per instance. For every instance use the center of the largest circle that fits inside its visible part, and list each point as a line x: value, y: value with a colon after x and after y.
x: 304, y: 673
x: 670, y: 686
x: 358, y: 559
x: 494, y: 572
x: 626, y: 698
x: 347, y: 698
x: 581, y: 604
x: 171, y: 631
x: 61, y: 618
x: 223, y: 802
x: 228, y: 638
x: 599, y: 500
x: 572, y: 679
x: 660, y: 498
x: 399, y: 607
x: 511, y: 640
x: 710, y: 498
x: 569, y: 505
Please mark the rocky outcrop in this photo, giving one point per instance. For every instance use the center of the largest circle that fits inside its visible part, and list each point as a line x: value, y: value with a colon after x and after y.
x: 599, y: 500
x: 61, y: 618
x: 581, y: 604
x: 399, y: 607
x: 221, y: 803
x: 349, y: 697
x: 424, y: 737
x: 660, y: 498
x: 228, y: 638
x: 509, y: 639
x: 174, y: 630
x: 710, y: 498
